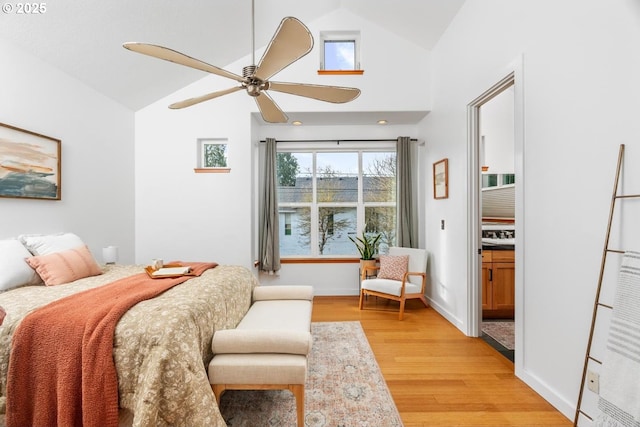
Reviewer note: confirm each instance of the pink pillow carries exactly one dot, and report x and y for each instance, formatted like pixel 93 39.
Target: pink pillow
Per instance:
pixel 66 266
pixel 393 267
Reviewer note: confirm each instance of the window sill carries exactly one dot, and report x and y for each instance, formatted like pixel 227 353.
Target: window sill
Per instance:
pixel 212 170
pixel 319 260
pixel 340 72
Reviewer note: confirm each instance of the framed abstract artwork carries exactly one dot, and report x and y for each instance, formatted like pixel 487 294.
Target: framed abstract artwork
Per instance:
pixel 29 164
pixel 441 179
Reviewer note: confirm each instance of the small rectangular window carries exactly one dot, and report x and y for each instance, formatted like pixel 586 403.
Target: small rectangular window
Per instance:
pixel 287 224
pixel 508 178
pixel 340 50
pixel 489 180
pixel 212 153
pixel 340 54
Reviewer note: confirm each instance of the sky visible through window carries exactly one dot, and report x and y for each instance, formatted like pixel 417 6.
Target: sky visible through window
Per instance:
pixel 338 162
pixel 339 55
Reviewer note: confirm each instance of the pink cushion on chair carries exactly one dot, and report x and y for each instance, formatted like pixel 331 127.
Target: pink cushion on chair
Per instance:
pixel 393 267
pixel 66 266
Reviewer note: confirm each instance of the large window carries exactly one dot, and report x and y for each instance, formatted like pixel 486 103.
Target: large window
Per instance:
pixel 326 196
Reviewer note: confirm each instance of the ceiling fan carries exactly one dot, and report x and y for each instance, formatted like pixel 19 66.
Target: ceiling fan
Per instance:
pixel 291 41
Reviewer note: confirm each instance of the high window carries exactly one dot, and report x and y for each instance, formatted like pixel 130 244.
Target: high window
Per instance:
pixel 339 50
pixel 497 179
pixel 326 196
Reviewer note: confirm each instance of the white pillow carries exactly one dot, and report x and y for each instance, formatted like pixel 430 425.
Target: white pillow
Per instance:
pixel 45 244
pixel 14 270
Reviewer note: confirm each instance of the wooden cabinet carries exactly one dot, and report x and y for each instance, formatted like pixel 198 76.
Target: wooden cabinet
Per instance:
pixel 498 284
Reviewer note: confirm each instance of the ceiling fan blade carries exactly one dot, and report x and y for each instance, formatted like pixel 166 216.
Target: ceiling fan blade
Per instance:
pixel 291 41
pixel 192 101
pixel 333 94
pixel 179 58
pixel 269 109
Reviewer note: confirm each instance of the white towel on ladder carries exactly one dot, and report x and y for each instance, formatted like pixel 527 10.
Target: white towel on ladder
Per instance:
pixel 619 401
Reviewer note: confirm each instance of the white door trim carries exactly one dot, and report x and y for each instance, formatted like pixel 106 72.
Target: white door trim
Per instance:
pixel 474 238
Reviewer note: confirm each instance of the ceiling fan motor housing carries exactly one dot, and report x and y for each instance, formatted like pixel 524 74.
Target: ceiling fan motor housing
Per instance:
pixel 253 85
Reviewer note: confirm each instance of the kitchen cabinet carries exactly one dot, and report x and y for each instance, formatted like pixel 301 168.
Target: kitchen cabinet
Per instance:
pixel 498 283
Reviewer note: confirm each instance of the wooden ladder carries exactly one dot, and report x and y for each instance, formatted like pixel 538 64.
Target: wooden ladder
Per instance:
pixel 598 305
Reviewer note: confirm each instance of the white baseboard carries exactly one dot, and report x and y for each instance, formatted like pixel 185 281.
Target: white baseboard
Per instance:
pixel 560 403
pixel 446 314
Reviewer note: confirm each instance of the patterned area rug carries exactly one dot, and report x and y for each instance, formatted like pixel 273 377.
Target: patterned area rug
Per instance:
pixel 344 387
pixel 501 331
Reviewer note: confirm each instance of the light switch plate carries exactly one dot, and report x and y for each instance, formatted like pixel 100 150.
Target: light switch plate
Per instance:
pixel 593 381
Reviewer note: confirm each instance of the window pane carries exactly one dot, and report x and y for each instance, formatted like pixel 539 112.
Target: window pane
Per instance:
pixel 489 180
pixel 287 224
pixel 293 171
pixel 340 55
pixel 379 175
pixel 381 220
pixel 295 237
pixel 337 177
pixel 508 178
pixel 334 227
pixel 215 155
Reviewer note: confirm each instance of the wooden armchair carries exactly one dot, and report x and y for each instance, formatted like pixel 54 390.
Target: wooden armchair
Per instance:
pixel 400 276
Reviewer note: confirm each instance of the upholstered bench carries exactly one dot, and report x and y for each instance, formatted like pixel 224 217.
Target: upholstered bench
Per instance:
pixel 269 347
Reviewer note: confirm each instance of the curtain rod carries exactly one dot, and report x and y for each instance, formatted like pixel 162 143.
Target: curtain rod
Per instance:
pixel 338 140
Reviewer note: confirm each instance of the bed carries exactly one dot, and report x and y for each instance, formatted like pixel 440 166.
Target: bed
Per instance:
pixel 161 346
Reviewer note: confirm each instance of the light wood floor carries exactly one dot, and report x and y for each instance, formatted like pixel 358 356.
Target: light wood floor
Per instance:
pixel 436 374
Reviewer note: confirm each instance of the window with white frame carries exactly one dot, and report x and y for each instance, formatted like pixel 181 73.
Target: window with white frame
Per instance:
pixel 497 179
pixel 212 153
pixel 326 196
pixel 340 50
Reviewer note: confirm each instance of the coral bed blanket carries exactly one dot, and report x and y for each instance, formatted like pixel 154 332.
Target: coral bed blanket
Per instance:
pixel 61 369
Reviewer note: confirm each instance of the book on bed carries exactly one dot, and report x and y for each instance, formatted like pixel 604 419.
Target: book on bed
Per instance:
pixel 172 271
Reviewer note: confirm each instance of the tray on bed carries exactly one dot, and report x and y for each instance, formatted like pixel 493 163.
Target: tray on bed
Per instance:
pixel 150 272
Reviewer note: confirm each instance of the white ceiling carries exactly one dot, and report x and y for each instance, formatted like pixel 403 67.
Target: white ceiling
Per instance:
pixel 84 37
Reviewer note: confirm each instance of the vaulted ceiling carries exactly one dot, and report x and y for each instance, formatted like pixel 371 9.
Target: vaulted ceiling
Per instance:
pixel 84 38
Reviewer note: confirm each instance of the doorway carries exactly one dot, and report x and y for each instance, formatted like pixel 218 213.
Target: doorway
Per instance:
pixel 507 298
pixel 497 221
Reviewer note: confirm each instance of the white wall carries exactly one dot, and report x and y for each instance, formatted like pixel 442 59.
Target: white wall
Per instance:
pixel 581 61
pixel 213 216
pixel 97 155
pixel 496 130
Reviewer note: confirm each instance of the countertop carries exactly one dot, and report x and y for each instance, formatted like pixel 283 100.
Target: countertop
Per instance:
pixel 505 247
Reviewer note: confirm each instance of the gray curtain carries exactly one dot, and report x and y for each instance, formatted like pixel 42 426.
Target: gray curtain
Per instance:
pixel 268 233
pixel 406 228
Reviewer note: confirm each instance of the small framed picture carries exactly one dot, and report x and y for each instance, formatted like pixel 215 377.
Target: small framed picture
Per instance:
pixel 29 164
pixel 441 179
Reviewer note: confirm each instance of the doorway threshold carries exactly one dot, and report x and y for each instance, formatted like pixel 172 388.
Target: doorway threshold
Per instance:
pixel 509 354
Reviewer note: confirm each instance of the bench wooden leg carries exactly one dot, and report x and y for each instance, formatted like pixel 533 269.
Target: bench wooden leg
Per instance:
pixel 218 389
pixel 298 393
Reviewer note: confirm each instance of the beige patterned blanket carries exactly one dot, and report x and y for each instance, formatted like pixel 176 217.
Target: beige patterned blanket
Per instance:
pixel 161 346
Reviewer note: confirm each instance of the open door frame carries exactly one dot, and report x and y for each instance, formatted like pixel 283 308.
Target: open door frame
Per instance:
pixel 474 258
